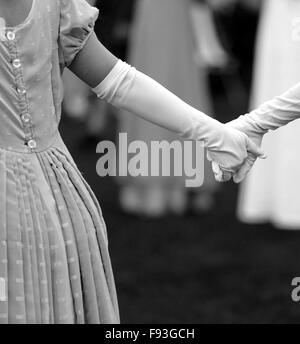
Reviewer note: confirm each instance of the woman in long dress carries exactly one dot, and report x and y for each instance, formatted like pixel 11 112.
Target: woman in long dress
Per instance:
pixel 271 192
pixel 163 46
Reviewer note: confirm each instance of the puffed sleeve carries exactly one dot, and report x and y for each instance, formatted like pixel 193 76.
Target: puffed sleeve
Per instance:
pixel 77 20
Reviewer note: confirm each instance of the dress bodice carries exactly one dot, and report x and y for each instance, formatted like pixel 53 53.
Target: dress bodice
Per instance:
pixel 32 57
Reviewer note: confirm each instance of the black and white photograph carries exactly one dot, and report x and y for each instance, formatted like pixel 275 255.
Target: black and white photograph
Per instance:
pixel 149 165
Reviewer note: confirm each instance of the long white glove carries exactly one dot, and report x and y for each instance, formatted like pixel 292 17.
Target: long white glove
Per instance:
pixel 269 116
pixel 133 91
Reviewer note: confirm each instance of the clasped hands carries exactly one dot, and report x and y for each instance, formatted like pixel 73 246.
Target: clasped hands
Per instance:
pixel 249 144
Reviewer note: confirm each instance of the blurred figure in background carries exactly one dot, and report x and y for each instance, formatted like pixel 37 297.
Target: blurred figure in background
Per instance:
pixel 163 45
pixel 271 192
pixel 236 22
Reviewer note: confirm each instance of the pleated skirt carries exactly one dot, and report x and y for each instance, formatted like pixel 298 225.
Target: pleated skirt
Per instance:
pixel 54 260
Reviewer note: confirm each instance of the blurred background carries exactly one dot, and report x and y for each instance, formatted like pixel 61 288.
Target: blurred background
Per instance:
pixel 222 253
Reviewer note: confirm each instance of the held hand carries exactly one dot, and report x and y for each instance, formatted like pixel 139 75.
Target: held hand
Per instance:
pixel 256 137
pixel 224 176
pixel 255 140
pixel 234 153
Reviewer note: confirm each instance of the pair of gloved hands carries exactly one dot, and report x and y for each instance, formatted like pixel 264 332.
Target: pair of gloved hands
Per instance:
pixel 233 148
pixel 256 136
pixel 131 90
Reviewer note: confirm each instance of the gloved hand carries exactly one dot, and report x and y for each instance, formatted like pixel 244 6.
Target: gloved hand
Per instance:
pixel 130 90
pixel 256 136
pixel 269 116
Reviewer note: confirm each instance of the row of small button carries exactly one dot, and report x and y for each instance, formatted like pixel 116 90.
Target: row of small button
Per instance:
pixel 26 117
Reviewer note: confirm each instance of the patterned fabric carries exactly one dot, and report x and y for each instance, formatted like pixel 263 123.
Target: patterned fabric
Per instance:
pixel 54 259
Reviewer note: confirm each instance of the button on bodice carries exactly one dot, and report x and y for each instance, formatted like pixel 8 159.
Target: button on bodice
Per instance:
pixel 17 63
pixel 32 144
pixel 26 118
pixel 10 35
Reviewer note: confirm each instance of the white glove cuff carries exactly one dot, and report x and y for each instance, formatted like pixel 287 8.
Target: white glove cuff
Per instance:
pixel 108 87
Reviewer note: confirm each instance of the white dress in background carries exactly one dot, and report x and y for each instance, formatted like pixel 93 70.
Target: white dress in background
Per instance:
pixel 271 193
